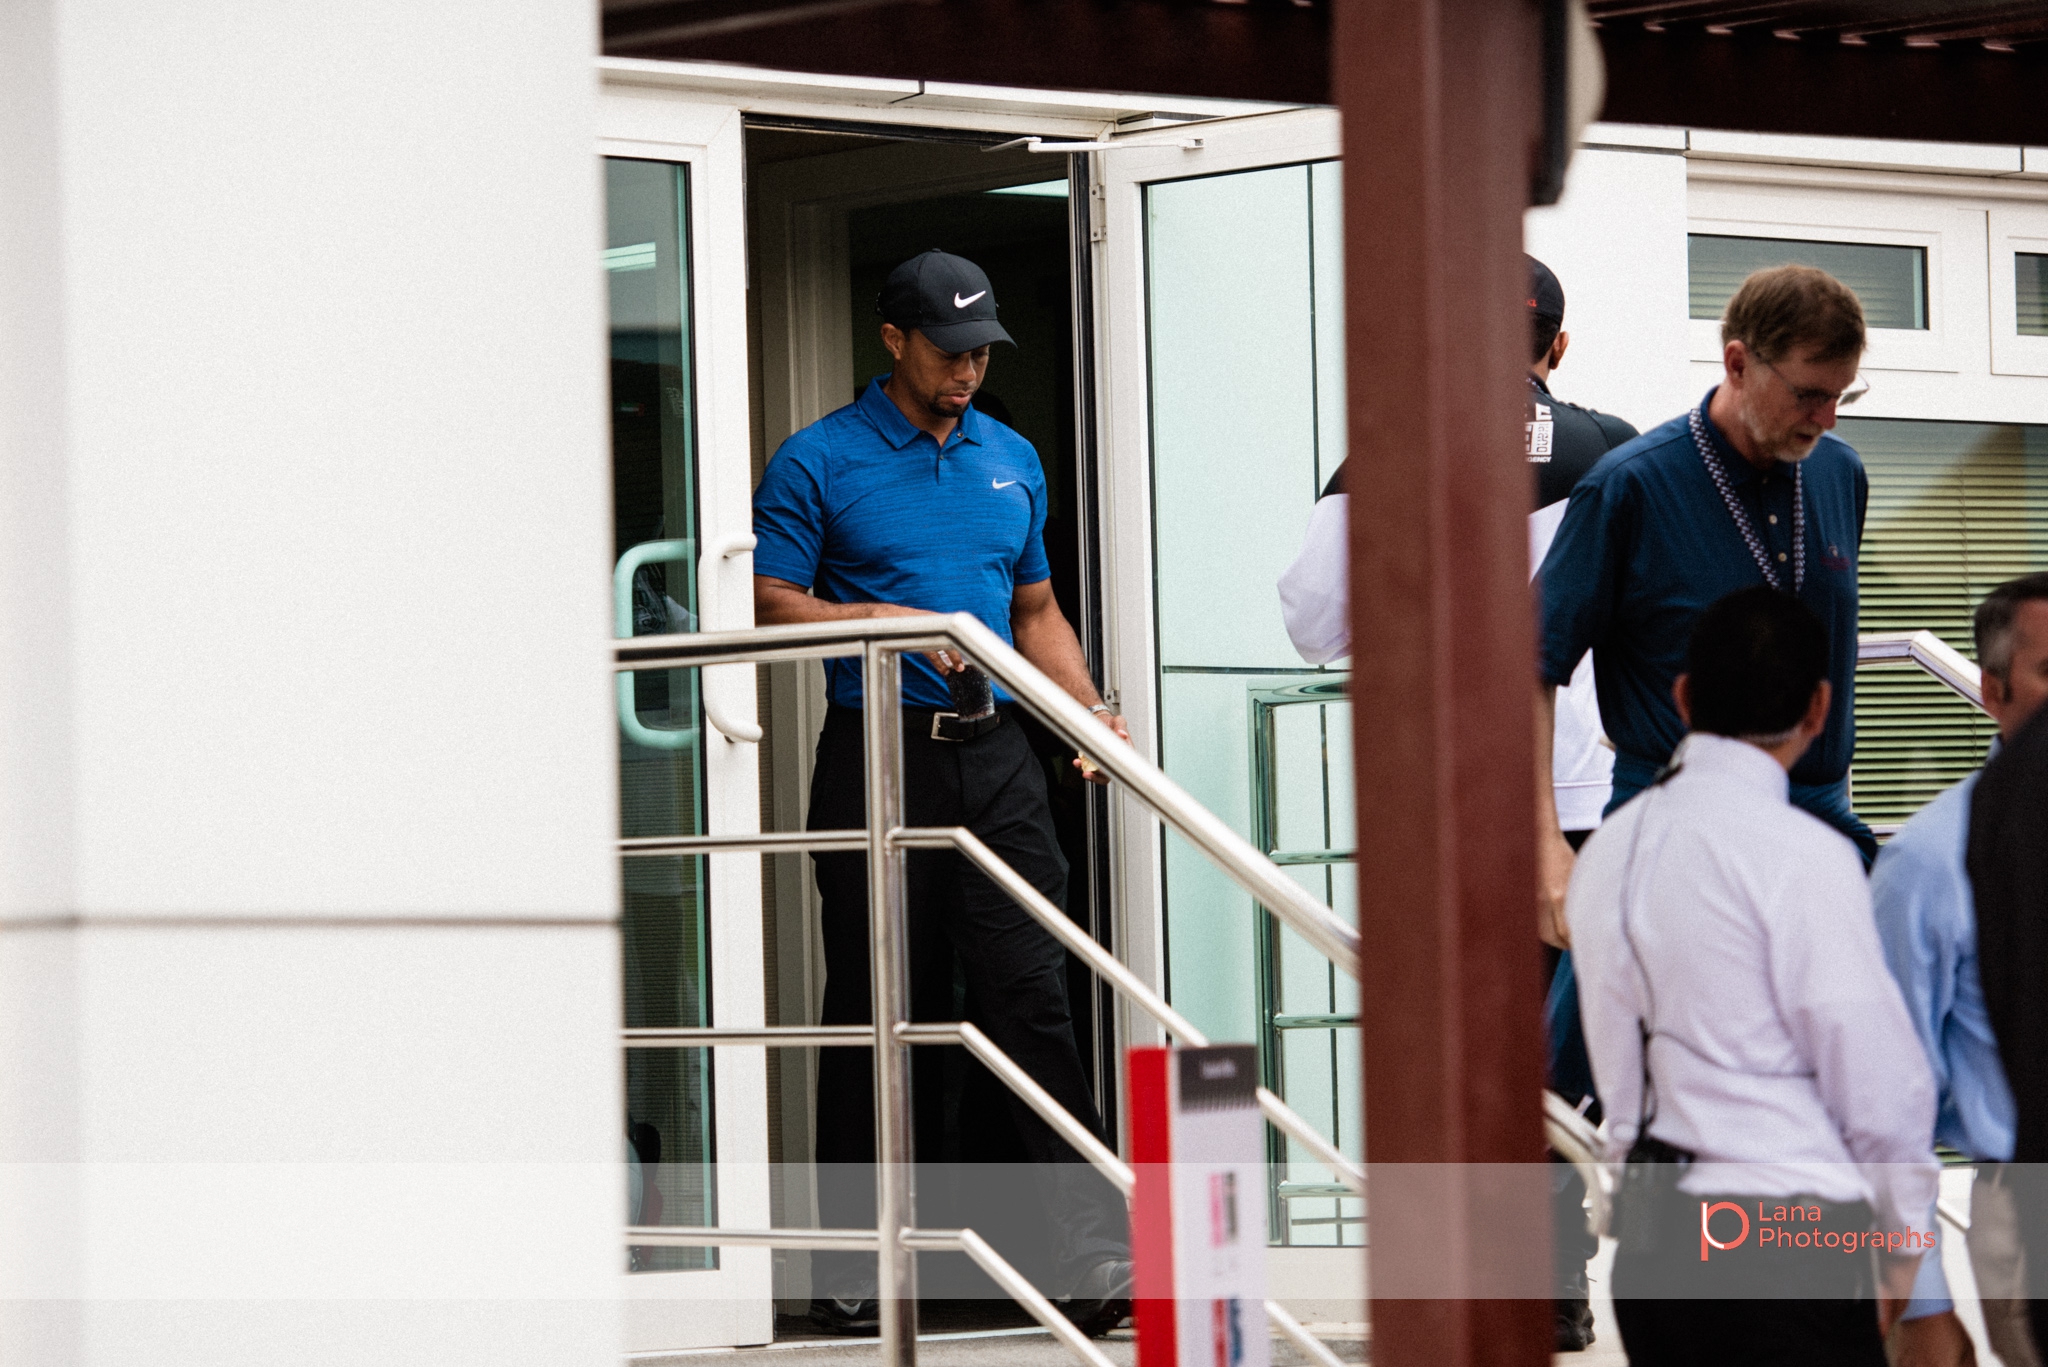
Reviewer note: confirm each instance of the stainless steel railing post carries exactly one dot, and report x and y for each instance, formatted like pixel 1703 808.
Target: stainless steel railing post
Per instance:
pixel 896 1283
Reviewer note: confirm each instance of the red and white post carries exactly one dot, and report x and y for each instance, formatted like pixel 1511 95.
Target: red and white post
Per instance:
pixel 1198 1215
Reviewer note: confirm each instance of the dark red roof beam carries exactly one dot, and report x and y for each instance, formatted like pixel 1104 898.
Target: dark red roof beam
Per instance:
pixel 1755 82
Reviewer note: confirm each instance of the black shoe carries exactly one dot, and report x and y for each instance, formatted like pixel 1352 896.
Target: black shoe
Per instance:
pixel 1573 1322
pixel 852 1316
pixel 1101 1298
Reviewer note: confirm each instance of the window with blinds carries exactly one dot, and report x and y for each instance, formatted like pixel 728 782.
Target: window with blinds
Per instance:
pixel 1891 281
pixel 2030 291
pixel 1955 509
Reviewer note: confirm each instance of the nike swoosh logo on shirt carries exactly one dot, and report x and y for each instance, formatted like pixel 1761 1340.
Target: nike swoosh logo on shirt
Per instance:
pixel 960 303
pixel 1002 483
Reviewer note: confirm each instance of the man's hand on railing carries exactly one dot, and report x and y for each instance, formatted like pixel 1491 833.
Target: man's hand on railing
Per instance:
pixel 777 602
pixel 1123 733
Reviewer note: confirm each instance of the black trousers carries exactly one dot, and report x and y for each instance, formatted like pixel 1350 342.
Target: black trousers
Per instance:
pixel 1012 970
pixel 1758 1306
pixel 1719 1333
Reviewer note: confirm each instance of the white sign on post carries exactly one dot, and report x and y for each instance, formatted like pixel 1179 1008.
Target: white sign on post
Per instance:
pixel 1198 1228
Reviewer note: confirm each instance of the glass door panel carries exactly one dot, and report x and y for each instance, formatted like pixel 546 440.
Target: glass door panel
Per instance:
pixel 694 1122
pixel 1238 421
pixel 664 929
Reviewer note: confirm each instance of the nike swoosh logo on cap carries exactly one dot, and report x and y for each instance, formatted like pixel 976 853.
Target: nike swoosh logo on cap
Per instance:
pixel 1001 483
pixel 960 303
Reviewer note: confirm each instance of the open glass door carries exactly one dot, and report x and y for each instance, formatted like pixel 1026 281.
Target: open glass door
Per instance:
pixel 695 1124
pixel 1221 305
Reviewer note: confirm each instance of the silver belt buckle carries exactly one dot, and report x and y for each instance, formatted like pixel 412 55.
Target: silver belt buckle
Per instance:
pixel 938 717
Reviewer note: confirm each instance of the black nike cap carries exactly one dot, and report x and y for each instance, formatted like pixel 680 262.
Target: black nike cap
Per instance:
pixel 946 297
pixel 1546 296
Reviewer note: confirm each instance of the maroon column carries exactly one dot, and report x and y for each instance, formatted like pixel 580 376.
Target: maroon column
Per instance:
pixel 1440 102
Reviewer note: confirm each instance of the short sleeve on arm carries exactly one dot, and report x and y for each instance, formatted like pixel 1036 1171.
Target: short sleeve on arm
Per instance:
pixel 1578 577
pixel 1032 566
pixel 1616 430
pixel 789 514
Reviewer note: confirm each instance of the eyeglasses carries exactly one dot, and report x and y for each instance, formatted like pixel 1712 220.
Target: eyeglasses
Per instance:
pixel 1819 398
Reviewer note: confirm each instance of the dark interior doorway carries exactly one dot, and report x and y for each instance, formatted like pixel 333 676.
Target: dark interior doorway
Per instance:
pixel 1021 235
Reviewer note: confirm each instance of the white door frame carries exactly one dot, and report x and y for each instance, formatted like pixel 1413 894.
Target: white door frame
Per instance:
pixel 692 113
pixel 733 1304
pixel 1123 399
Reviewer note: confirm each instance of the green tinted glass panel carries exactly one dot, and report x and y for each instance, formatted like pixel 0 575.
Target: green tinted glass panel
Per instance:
pixel 1891 281
pixel 2030 290
pixel 1955 509
pixel 664 930
pixel 1244 304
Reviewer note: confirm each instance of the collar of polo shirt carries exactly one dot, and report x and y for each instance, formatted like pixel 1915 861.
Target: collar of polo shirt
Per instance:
pixel 899 431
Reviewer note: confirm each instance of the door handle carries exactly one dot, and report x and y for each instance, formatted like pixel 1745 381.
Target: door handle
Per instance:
pixel 646 553
pixel 720 550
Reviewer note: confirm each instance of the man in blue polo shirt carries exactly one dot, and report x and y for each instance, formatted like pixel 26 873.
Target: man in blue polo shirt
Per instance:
pixel 910 501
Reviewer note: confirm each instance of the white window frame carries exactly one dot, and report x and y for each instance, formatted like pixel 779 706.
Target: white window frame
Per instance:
pixel 1956 317
pixel 2014 229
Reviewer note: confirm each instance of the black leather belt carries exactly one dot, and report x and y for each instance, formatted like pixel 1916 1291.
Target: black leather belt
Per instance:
pixel 949 726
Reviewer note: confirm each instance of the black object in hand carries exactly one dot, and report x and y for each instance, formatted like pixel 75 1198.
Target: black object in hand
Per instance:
pixel 973 699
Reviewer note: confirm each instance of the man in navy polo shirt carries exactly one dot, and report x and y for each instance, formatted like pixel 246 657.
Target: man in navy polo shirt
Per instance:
pixel 1746 489
pixel 910 501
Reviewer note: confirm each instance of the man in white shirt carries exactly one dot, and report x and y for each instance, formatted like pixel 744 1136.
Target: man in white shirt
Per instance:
pixel 1744 1028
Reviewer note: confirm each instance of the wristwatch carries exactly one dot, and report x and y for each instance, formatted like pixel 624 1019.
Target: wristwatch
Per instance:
pixel 1101 708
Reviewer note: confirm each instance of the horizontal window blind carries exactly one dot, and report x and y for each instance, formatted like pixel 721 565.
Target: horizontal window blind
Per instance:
pixel 2030 286
pixel 1891 281
pixel 1955 510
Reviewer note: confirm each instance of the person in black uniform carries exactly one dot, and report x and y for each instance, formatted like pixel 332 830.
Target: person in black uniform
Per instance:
pixel 1563 442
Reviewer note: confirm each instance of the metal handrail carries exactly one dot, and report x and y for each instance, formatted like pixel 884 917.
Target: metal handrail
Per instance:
pixel 880 643
pixel 1949 666
pixel 1572 1137
pixel 1232 854
pixel 1035 903
pixel 999 1270
pixel 1013 1282
pixel 964 1241
pixel 1026 1087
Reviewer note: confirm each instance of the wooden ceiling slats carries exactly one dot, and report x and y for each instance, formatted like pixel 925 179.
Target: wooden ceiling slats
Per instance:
pixel 1933 70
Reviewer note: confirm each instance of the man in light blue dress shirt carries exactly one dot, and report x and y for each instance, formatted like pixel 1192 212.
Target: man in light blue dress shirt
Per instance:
pixel 1926 919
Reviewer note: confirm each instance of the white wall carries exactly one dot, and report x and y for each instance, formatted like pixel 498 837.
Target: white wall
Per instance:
pixel 1617 243
pixel 308 998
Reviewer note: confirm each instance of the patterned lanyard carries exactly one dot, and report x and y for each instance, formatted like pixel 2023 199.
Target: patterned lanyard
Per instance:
pixel 1741 514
